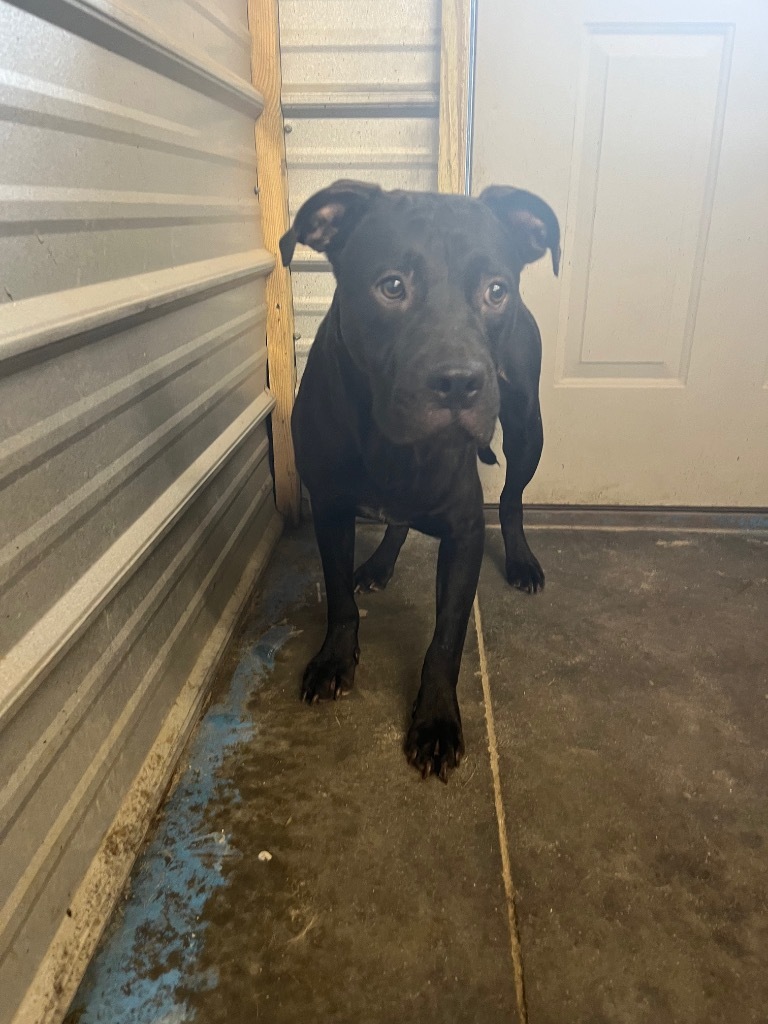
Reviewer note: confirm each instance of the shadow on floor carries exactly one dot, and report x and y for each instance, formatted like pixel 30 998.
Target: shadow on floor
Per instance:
pixel 301 871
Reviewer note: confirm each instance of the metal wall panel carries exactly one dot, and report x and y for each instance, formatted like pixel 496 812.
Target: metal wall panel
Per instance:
pixel 135 492
pixel 360 100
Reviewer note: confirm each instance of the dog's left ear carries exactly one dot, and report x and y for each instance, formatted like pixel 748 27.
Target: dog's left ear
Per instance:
pixel 326 220
pixel 531 222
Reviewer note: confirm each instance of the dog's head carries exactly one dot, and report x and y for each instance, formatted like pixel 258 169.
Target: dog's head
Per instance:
pixel 428 292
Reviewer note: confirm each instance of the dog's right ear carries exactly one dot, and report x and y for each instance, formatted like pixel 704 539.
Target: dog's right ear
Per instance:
pixel 327 218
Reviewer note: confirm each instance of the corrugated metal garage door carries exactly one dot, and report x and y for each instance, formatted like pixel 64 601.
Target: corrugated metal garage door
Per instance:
pixel 135 501
pixel 360 100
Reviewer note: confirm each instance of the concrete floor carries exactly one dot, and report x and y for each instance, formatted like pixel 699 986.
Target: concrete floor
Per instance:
pixel 600 856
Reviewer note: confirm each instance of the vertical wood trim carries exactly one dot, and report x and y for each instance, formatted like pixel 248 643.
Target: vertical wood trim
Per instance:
pixel 263 21
pixel 455 56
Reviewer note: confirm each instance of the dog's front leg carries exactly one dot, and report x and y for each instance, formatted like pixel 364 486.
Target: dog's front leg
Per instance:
pixel 332 671
pixel 435 741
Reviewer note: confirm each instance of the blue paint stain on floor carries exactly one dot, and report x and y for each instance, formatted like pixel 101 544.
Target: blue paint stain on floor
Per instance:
pixel 154 941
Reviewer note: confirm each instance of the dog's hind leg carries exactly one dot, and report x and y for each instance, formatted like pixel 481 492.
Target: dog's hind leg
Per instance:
pixel 523 441
pixel 332 671
pixel 520 418
pixel 376 572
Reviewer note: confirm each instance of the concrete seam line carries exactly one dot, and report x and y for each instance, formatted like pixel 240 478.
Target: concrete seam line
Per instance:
pixel 506 871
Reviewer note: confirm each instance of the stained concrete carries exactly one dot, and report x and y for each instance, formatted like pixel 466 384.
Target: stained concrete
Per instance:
pixel 630 702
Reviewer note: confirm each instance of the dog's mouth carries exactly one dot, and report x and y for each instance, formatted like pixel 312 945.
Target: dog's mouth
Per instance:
pixel 470 421
pixel 421 418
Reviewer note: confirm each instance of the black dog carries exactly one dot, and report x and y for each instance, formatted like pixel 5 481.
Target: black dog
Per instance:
pixel 426 342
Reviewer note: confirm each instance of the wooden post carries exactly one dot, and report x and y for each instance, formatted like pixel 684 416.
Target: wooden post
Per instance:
pixel 455 53
pixel 273 196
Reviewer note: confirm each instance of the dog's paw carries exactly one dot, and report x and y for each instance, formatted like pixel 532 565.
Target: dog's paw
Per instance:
pixel 372 575
pixel 434 745
pixel 329 675
pixel 525 574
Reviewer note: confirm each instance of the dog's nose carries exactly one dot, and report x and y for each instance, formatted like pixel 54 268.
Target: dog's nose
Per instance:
pixel 457 387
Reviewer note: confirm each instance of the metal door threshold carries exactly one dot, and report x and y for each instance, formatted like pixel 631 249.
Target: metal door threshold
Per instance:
pixel 618 517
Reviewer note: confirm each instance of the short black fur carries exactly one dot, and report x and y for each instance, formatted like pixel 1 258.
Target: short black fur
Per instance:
pixel 425 345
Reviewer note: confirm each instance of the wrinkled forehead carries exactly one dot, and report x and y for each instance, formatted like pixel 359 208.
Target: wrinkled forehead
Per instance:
pixel 435 233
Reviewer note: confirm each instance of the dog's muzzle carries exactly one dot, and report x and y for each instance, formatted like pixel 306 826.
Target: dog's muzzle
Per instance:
pixel 457 395
pixel 456 387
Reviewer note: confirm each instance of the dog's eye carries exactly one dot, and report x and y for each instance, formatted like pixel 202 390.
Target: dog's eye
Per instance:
pixel 392 287
pixel 496 294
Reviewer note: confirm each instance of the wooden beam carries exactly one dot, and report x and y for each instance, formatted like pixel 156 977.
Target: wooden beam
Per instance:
pixel 273 194
pixel 455 56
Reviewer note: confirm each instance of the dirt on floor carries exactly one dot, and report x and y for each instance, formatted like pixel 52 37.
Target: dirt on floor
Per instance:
pixel 302 871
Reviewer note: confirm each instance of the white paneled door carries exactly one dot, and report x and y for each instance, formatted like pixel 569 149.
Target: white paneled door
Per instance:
pixel 645 125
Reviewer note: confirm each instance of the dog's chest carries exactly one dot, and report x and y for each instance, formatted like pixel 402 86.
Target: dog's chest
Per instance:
pixel 378 514
pixel 393 505
pixel 398 485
